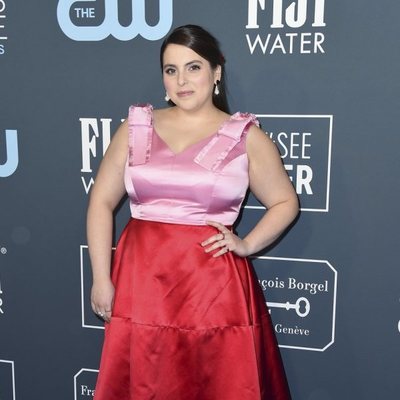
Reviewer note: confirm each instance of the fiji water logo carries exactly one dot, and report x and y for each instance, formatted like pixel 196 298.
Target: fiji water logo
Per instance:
pixel 286 26
pixel 81 27
pixel 95 139
pixel 12 159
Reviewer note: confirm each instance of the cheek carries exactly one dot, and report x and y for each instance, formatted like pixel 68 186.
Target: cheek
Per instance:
pixel 205 81
pixel 167 82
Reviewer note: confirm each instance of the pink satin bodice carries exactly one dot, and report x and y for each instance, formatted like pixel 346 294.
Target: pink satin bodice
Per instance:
pixel 206 181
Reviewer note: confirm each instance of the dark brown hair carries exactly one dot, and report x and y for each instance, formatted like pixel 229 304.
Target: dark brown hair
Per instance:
pixel 206 45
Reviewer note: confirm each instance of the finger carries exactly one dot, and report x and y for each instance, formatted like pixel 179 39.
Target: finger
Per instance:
pixel 213 239
pixel 215 223
pixel 96 307
pixel 97 310
pixel 107 316
pixel 221 227
pixel 101 310
pixel 221 252
pixel 216 245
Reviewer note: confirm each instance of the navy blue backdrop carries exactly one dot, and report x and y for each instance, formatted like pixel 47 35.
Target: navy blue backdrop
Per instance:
pixel 321 75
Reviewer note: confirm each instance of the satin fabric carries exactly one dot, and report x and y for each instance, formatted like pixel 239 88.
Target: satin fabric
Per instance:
pixel 206 181
pixel 186 325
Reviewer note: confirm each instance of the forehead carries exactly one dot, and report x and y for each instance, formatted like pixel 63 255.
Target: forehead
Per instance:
pixel 177 54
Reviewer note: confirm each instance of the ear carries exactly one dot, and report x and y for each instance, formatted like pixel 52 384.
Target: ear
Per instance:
pixel 217 73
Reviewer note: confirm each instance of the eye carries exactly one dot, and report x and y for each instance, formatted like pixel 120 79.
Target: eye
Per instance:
pixel 169 70
pixel 194 67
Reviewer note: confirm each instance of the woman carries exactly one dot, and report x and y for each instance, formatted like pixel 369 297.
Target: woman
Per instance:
pixel 185 317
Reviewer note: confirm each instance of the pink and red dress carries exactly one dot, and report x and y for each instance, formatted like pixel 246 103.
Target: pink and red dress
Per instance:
pixel 185 325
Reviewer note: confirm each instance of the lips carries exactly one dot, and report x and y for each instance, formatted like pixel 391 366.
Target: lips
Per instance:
pixel 185 93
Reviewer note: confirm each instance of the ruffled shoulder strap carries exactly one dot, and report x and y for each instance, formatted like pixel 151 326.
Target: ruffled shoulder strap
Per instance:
pixel 230 133
pixel 140 126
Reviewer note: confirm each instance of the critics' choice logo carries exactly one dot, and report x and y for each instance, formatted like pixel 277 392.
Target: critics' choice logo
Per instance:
pixel 286 26
pixel 11 158
pixel 304 142
pixel 3 35
pixel 301 297
pixel 84 383
pixel 94 20
pixel 89 318
pixel 7 380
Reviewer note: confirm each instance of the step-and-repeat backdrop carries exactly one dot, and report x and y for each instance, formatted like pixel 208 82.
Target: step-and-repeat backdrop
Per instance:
pixel 322 76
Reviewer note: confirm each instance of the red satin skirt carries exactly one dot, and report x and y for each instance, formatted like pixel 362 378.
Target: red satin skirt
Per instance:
pixel 185 325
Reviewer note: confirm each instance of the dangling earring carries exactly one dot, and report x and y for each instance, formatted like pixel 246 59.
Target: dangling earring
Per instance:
pixel 216 89
pixel 167 98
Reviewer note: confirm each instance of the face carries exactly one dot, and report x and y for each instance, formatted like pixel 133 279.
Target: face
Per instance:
pixel 188 78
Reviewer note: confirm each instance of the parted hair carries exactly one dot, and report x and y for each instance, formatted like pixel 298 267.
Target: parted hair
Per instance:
pixel 207 46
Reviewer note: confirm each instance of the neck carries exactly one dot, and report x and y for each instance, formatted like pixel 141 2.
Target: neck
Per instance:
pixel 203 113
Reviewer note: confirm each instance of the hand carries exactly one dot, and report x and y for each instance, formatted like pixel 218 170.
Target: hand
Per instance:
pixel 225 241
pixel 102 298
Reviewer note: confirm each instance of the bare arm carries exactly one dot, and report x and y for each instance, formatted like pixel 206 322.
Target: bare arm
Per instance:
pixel 271 185
pixel 106 193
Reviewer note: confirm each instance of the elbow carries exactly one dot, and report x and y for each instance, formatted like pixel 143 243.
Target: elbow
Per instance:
pixel 94 200
pixel 98 203
pixel 296 204
pixel 293 206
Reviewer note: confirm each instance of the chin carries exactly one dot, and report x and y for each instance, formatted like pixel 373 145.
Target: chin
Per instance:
pixel 190 104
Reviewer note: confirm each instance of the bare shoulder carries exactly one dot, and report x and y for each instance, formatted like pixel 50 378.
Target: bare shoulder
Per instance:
pixel 121 134
pixel 118 147
pixel 259 144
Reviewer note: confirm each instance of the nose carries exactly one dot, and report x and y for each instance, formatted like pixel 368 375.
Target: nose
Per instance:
pixel 181 78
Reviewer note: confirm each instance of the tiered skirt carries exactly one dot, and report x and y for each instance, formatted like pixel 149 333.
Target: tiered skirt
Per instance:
pixel 186 325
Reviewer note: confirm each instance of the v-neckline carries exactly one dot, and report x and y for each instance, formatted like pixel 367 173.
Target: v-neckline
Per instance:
pixel 187 148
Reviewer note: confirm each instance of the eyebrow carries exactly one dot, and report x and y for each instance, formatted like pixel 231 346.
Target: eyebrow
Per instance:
pixel 186 65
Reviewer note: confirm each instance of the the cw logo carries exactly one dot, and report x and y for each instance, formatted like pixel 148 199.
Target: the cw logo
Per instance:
pixel 11 164
pixel 111 25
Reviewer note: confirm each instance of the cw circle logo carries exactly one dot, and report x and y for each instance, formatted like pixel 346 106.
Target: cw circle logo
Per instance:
pixel 11 164
pixel 110 24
